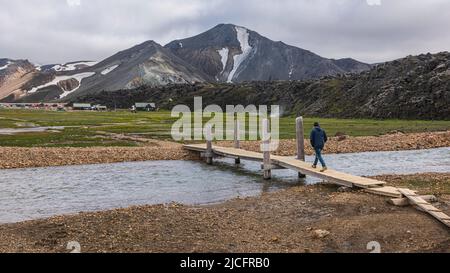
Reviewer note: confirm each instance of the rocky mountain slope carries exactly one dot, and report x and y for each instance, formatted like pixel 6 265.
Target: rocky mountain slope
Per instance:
pixel 415 87
pixel 230 53
pixel 145 64
pixel 14 74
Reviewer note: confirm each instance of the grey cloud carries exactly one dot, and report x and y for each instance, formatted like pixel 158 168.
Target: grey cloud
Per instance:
pixel 51 31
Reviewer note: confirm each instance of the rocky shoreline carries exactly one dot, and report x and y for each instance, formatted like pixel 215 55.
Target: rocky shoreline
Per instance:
pixel 316 218
pixel 15 157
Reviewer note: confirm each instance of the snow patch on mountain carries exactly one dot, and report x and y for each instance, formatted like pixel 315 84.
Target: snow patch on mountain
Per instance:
pixel 243 38
pixel 72 66
pixel 224 56
pixel 5 66
pixel 78 77
pixel 291 71
pixel 109 70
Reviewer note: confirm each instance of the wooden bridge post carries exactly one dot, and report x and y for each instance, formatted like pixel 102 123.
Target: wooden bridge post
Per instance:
pixel 267 164
pixel 209 151
pixel 237 139
pixel 300 142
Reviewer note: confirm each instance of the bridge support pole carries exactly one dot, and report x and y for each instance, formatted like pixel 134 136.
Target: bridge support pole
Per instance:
pixel 209 151
pixel 267 164
pixel 300 142
pixel 237 140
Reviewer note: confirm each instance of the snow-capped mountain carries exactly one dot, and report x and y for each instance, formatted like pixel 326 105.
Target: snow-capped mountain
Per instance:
pixel 234 54
pixel 146 64
pixel 226 53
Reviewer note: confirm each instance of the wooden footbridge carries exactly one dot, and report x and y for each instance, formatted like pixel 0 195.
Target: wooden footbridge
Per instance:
pixel 401 197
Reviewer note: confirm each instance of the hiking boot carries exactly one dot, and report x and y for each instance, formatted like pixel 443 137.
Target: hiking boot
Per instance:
pixel 314 166
pixel 323 169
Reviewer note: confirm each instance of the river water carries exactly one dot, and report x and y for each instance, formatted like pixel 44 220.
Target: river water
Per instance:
pixel 42 192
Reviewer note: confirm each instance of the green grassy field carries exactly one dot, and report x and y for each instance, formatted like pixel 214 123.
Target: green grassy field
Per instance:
pixel 82 128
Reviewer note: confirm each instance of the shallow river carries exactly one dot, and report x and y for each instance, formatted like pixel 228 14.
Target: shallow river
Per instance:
pixel 42 192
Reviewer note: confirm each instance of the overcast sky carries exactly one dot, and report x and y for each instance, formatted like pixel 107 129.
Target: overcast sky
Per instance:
pixel 57 31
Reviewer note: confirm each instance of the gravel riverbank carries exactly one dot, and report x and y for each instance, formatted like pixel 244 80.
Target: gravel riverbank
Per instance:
pixel 15 157
pixel 345 144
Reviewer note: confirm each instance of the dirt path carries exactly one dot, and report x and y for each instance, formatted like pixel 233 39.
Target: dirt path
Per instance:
pixel 15 157
pixel 302 219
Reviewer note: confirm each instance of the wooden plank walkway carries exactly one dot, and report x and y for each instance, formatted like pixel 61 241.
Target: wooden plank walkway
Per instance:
pixel 296 165
pixel 339 178
pixel 425 206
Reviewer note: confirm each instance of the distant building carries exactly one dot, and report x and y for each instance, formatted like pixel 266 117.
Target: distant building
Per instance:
pixel 99 108
pixel 145 106
pixel 82 106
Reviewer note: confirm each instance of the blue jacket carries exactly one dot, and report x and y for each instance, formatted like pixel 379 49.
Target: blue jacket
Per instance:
pixel 318 138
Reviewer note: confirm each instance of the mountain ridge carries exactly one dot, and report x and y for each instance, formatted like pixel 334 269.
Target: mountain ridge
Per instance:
pixel 225 53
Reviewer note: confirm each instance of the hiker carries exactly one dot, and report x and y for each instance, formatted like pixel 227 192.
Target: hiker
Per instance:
pixel 318 140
